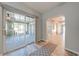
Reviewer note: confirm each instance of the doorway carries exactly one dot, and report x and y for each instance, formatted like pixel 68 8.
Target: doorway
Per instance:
pixel 56 33
pixel 19 31
pixel 56 25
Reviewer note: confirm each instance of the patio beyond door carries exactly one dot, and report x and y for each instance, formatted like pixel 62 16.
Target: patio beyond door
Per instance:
pixel 20 31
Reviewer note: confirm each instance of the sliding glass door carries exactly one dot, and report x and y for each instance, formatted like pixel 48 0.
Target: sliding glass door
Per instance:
pixel 20 31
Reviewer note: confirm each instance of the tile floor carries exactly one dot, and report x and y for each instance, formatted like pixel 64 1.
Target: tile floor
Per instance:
pixel 34 50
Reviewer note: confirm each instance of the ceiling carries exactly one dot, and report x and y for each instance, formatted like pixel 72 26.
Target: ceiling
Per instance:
pixel 42 7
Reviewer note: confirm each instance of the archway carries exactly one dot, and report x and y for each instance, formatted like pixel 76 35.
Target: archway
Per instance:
pixel 56 33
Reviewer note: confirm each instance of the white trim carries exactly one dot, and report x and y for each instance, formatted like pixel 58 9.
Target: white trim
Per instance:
pixel 72 51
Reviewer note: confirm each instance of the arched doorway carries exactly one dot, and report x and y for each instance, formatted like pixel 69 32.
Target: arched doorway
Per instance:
pixel 56 33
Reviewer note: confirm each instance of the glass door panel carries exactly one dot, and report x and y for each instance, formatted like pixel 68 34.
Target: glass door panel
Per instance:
pixel 20 30
pixel 30 32
pixel 9 35
pixel 19 33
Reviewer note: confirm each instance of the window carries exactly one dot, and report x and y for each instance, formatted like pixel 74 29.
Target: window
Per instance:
pixel 20 30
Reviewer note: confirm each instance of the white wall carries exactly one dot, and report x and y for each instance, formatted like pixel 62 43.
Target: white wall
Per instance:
pixel 71 13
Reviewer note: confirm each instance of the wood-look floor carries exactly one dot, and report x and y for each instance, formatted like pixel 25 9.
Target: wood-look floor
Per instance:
pixel 57 39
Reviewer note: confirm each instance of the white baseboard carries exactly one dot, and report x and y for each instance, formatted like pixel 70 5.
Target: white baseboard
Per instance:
pixel 72 51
